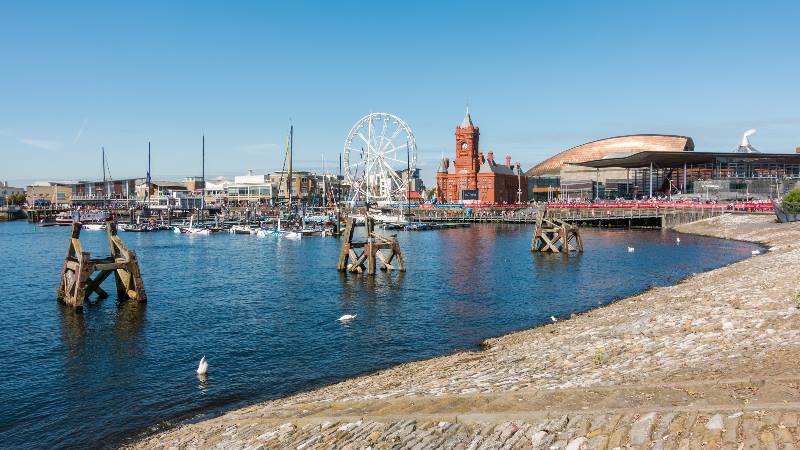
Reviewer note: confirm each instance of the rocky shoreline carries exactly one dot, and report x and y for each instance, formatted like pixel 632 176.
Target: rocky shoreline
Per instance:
pixel 709 363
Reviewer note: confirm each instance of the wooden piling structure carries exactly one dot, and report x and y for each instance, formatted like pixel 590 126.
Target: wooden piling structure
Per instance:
pixel 77 284
pixel 355 254
pixel 554 235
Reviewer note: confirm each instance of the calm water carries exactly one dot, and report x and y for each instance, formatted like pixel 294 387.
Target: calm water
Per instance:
pixel 264 312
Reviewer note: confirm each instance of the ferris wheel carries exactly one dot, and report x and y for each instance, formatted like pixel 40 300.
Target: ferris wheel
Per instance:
pixel 378 149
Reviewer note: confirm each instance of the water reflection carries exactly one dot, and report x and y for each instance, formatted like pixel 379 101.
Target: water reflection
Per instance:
pixel 73 329
pixel 202 384
pixel 264 311
pixel 357 287
pixel 129 320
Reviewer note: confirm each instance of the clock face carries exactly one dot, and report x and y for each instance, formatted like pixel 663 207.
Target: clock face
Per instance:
pixel 464 146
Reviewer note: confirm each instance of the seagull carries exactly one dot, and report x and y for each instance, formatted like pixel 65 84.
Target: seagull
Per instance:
pixel 202 368
pixel 347 317
pixel 755 252
pixel 631 249
pixel 553 318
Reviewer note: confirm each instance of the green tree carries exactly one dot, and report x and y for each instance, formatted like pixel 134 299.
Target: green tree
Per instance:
pixel 791 202
pixel 17 198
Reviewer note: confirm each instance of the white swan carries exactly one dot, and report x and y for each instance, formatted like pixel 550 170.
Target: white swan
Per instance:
pixel 202 368
pixel 631 249
pixel 347 317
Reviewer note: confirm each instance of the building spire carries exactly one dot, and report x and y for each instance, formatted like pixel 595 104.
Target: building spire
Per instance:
pixel 467 122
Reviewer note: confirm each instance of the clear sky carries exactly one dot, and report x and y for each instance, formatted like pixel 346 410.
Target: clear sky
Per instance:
pixel 539 77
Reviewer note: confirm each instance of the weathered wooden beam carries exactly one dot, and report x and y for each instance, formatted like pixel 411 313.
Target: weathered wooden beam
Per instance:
pixel 94 284
pixel 346 245
pixel 370 250
pixel 133 268
pixel 110 265
pixel 401 265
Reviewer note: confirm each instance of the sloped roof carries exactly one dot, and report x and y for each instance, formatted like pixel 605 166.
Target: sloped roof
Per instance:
pixel 467 122
pixel 679 158
pixel 614 145
pixel 489 167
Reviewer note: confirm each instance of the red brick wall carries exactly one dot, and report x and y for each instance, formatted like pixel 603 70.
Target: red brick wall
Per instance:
pixel 492 187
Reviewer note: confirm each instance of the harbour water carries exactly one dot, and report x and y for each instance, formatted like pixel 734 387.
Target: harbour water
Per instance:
pixel 263 312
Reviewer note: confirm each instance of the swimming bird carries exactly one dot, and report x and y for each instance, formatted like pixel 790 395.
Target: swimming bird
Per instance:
pixel 347 317
pixel 755 252
pixel 202 368
pixel 631 249
pixel 553 318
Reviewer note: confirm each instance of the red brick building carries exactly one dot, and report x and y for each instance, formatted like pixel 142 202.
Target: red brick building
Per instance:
pixel 473 178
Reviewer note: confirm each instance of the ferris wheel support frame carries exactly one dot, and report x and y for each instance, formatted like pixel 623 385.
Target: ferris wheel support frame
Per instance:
pixel 379 178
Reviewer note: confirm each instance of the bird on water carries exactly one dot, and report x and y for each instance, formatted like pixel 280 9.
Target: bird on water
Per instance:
pixel 202 368
pixel 553 318
pixel 677 240
pixel 347 317
pixel 631 249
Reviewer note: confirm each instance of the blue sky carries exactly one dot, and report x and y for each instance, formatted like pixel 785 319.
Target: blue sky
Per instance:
pixel 539 78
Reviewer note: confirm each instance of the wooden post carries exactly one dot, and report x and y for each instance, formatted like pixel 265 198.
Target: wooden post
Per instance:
pixel 370 250
pixel 76 283
pixel 354 255
pixel 344 252
pixel 554 235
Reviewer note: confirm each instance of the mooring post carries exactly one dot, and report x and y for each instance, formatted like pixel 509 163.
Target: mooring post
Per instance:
pixel 370 250
pixel 344 252
pixel 553 235
pixel 76 282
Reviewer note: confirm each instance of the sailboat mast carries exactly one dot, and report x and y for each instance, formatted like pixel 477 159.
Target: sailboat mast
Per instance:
pixel 104 164
pixel 147 193
pixel 203 176
pixel 289 180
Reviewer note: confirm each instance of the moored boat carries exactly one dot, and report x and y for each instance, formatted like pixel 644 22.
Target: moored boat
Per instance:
pixel 242 229
pixel 84 217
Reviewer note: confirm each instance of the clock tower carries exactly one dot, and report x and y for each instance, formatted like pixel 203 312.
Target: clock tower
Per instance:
pixel 467 136
pixel 473 179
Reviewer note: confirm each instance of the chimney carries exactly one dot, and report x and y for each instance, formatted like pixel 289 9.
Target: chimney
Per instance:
pixel 491 157
pixel 508 161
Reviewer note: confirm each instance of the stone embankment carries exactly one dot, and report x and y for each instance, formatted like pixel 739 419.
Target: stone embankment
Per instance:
pixel 713 362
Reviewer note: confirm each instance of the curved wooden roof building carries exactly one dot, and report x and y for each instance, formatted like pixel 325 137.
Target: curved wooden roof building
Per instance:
pixel 618 146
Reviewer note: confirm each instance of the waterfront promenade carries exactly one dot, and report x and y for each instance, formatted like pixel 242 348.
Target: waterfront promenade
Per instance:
pixel 709 363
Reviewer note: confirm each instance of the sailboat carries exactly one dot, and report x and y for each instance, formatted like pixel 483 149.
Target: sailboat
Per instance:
pixel 191 229
pixel 278 231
